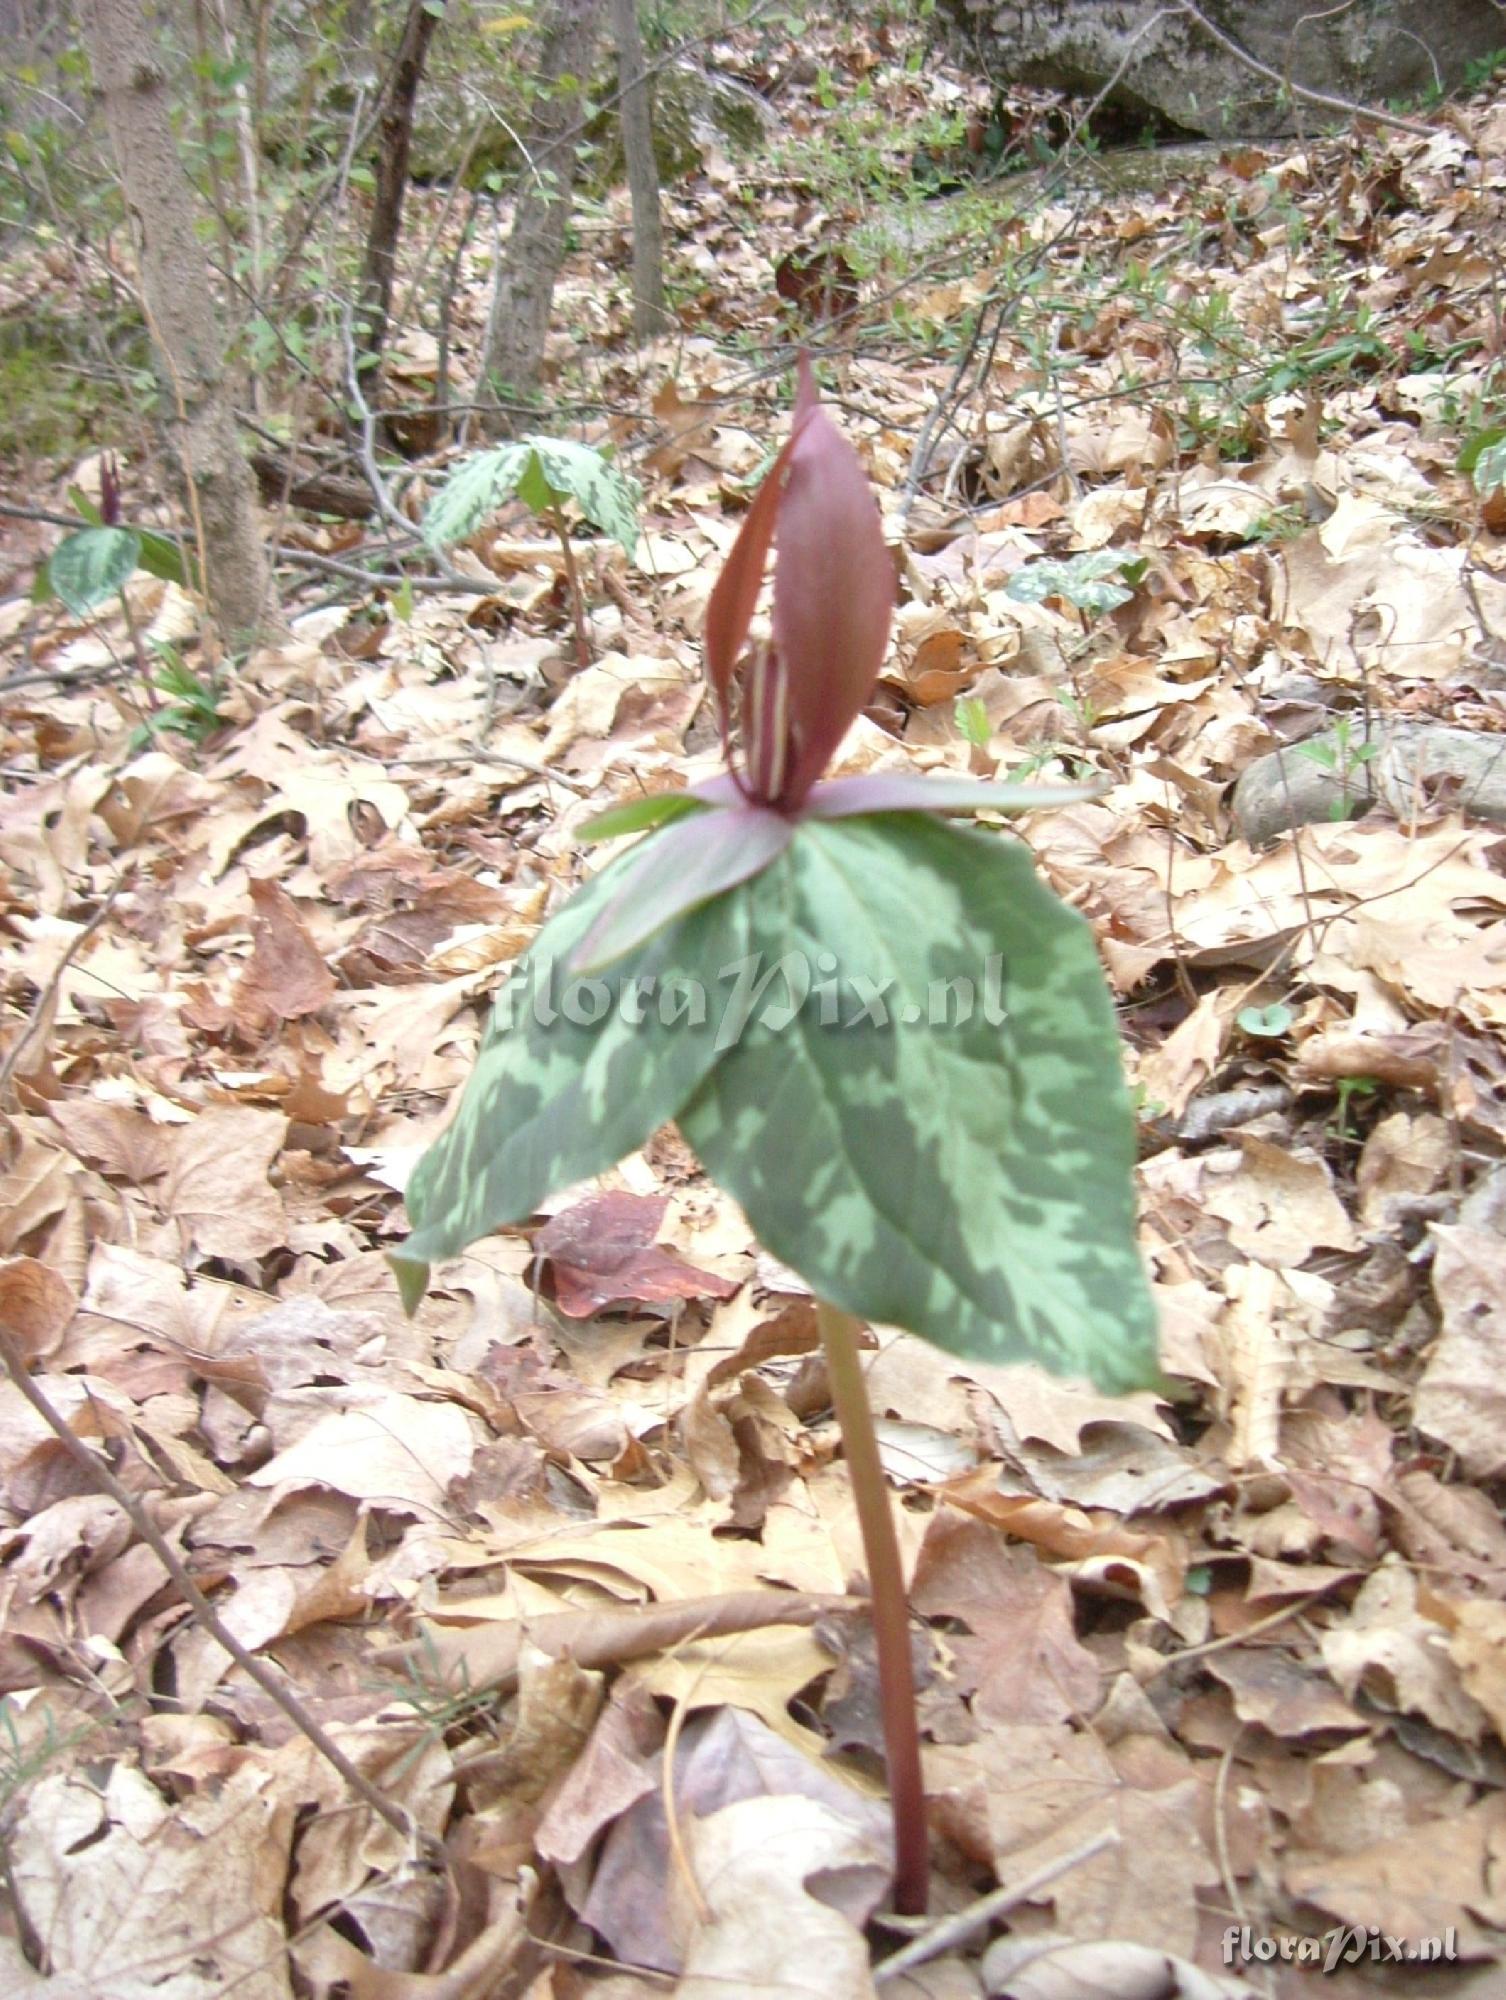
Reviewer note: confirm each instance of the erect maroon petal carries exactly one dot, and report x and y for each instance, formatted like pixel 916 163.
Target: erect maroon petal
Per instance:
pixel 766 721
pixel 833 589
pixel 730 608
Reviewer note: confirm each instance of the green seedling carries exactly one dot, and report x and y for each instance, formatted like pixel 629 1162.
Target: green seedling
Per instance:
pixel 1341 1125
pixel 1343 753
pixel 544 473
pixel 879 1030
pixel 1266 1023
pixel 972 721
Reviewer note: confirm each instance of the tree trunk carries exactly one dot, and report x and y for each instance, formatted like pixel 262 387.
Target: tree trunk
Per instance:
pixel 184 325
pixel 636 111
pixel 395 141
pixel 519 318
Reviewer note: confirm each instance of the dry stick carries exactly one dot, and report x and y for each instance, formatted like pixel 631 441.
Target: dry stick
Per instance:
pixel 45 998
pixel 1320 97
pixel 887 1605
pixel 957 1929
pixel 101 1476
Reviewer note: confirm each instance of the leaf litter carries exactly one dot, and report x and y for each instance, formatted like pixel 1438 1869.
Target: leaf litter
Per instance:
pixel 1233 1659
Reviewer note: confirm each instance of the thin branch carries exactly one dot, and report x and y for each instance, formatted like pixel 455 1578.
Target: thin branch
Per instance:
pixel 963 1924
pixel 204 1612
pixel 1320 97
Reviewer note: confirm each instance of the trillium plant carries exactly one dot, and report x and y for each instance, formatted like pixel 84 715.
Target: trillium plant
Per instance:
pixel 877 1027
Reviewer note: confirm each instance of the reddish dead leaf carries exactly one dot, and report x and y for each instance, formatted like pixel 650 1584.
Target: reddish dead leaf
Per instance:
pixel 286 975
pixel 820 284
pixel 602 1253
pixel 36 1306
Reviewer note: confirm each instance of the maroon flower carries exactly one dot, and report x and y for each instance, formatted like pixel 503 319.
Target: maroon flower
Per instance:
pixel 833 599
pixel 795 696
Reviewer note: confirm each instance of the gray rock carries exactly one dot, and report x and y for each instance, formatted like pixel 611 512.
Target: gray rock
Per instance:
pixel 1415 766
pixel 1371 52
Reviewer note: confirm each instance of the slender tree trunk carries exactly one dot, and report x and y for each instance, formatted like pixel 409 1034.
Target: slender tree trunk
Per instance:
pixel 394 144
pixel 636 109
pixel 184 324
pixel 519 320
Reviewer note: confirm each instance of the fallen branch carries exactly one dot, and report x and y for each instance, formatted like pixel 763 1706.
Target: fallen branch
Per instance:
pixel 957 1929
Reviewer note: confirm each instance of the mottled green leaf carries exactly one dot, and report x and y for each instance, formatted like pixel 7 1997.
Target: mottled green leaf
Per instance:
pixel 1084 580
pixel 560 469
pixel 474 490
pixel 543 472
pixel 573 1073
pixel 88 568
pixel 966 1178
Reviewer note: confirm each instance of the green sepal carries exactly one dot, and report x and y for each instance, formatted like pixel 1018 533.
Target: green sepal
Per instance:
pixel 638 815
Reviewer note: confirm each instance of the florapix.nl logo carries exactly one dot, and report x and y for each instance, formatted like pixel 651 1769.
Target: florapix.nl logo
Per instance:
pixel 814 989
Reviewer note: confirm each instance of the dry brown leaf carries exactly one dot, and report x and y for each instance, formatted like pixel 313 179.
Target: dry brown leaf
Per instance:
pixel 37 1306
pixel 760 1856
pixel 1461 1399
pixel 149 1899
pixel 1280 1206
pixel 1023 1661
pixel 286 975
pixel 1024 1795
pixel 1392 1650
pixel 387 1450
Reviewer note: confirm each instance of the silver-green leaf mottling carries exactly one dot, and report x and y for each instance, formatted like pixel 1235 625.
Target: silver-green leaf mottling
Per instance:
pixel 554 1099
pixel 906 1069
pixel 970 1182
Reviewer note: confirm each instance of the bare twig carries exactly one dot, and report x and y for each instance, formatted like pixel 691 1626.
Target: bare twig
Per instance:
pixel 41 1013
pixel 204 1612
pixel 963 1924
pixel 1320 97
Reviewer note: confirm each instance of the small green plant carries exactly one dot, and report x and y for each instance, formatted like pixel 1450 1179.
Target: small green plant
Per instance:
pixel 972 721
pixel 911 1078
pixel 1093 581
pixel 1281 524
pixel 1483 458
pixel 544 473
pixel 192 705
pixel 1341 1125
pixel 97 561
pixel 1342 753
pixel 1266 1024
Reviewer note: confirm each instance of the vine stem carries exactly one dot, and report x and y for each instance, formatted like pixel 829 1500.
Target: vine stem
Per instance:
pixel 889 1608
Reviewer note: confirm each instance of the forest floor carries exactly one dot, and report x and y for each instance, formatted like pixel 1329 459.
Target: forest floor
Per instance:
pixel 1237 1660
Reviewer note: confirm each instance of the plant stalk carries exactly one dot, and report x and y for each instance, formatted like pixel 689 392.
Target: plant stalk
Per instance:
pixel 577 595
pixel 889 1608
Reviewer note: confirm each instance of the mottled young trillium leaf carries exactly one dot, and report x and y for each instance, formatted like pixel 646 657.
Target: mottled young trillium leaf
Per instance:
pixel 881 1032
